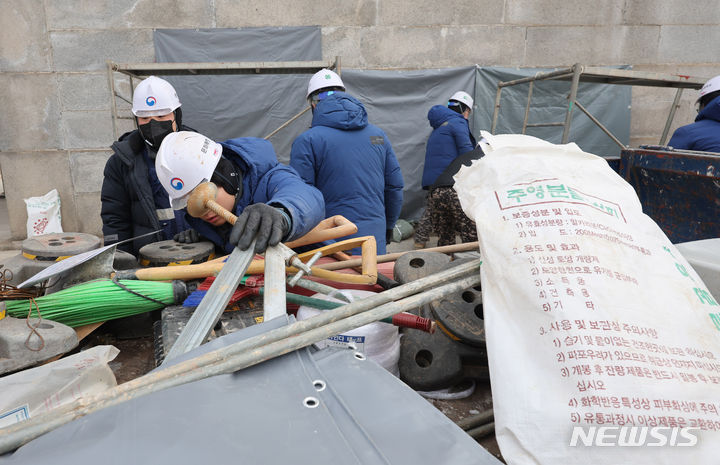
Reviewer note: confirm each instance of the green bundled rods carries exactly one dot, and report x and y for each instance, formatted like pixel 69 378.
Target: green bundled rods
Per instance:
pixel 96 301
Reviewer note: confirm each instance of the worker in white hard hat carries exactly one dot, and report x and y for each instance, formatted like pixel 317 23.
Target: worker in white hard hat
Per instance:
pixel 704 134
pixel 349 160
pixel 133 201
pixel 450 139
pixel 270 200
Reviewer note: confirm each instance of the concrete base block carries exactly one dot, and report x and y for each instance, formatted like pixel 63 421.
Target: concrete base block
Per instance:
pixel 14 353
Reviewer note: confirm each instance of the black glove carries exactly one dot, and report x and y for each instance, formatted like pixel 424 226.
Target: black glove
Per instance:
pixel 269 223
pixel 187 237
pixel 388 236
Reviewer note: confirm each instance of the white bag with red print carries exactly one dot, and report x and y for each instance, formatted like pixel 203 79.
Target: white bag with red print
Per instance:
pixel 44 214
pixel 603 342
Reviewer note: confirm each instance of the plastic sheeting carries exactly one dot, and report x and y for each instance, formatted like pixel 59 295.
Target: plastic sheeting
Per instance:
pixel 223 107
pixel 363 415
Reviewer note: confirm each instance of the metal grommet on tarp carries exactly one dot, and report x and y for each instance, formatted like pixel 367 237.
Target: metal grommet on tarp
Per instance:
pixel 58 246
pixel 169 253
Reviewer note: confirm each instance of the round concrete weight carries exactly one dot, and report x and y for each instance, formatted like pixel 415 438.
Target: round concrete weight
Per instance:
pixel 418 264
pixel 50 247
pixel 166 253
pixel 460 316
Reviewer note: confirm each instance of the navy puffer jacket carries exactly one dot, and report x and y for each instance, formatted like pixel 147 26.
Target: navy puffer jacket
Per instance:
pixel 704 134
pixel 450 137
pixel 353 164
pixel 265 180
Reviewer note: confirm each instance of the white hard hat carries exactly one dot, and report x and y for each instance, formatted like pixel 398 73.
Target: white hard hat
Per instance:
pixel 184 160
pixel 322 79
pixel 463 97
pixel 711 86
pixel 154 97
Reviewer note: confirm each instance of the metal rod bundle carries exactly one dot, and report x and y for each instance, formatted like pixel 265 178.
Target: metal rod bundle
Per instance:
pixel 254 350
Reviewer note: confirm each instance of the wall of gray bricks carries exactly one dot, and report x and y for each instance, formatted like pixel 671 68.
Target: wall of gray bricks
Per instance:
pixel 56 126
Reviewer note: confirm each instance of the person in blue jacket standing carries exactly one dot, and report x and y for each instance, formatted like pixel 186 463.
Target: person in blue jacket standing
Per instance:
pixel 349 160
pixel 704 134
pixel 450 138
pixel 270 199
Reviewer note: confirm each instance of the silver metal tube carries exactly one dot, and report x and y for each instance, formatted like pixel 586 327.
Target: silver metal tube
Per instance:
pixel 671 116
pixel 565 72
pixel 577 71
pixel 600 125
pixel 320 288
pixel 287 123
pixel 527 106
pixel 496 113
pixel 274 304
pixel 254 349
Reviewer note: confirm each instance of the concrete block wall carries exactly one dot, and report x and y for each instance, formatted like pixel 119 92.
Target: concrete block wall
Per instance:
pixel 56 127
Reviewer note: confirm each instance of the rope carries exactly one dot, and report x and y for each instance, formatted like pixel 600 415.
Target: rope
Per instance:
pixel 124 287
pixel 10 292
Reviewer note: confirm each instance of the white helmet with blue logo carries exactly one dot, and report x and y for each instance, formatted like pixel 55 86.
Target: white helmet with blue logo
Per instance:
pixel 154 97
pixel 185 159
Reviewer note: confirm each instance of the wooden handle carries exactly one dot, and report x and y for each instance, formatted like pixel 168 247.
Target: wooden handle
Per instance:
pixel 330 228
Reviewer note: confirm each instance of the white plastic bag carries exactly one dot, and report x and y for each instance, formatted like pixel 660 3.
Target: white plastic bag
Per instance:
pixel 379 341
pixel 44 214
pixel 603 342
pixel 39 390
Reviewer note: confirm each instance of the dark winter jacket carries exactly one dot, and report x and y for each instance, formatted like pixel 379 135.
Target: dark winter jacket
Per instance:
pixel 129 205
pixel 266 181
pixel 446 177
pixel 704 134
pixel 353 165
pixel 450 137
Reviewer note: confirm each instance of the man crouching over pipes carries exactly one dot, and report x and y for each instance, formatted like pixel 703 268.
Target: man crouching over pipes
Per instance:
pixel 269 198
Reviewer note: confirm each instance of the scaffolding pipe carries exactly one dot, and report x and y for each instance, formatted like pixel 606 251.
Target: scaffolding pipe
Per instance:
pixel 527 106
pixel 671 116
pixel 254 350
pixel 577 70
pixel 600 125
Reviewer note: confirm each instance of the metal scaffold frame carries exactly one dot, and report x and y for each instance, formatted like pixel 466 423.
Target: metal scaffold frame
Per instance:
pixel 143 70
pixel 579 73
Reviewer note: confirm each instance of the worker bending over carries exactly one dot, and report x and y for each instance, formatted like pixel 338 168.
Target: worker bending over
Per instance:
pixel 704 134
pixel 349 160
pixel 270 199
pixel 132 200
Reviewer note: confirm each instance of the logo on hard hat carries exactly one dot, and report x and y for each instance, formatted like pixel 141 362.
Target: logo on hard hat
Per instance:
pixel 150 101
pixel 177 183
pixel 327 76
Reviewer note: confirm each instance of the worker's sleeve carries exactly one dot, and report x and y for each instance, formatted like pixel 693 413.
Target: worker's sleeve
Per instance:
pixel 303 202
pixel 393 187
pixel 681 139
pixel 302 159
pixel 115 205
pixel 461 136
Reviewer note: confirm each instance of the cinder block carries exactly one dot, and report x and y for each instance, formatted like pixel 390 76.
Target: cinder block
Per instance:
pixel 83 91
pixel 30 112
pixel 86 169
pixel 24 44
pixel 89 51
pixel 422 47
pixel 87 129
pixel 689 44
pixel 31 174
pixel 651 107
pixel 562 12
pixel 563 46
pixel 665 12
pixel 126 14
pixel 431 12
pixel 88 213
pixel 232 13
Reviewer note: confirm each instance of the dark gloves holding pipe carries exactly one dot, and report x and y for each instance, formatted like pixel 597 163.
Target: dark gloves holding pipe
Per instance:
pixel 187 237
pixel 270 224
